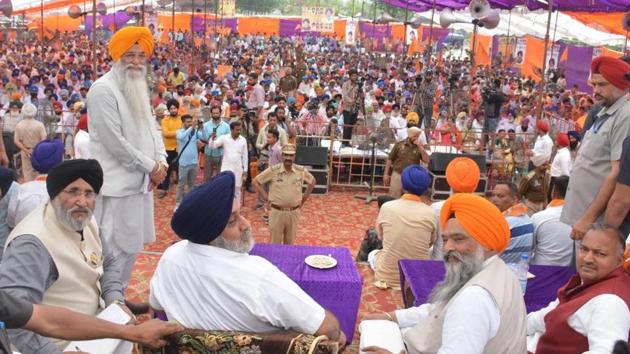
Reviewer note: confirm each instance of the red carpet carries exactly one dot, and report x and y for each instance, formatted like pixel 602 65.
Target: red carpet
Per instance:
pixel 336 219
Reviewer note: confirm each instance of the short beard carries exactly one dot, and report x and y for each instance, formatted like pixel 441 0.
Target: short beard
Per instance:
pixel 243 245
pixel 457 274
pixel 135 89
pixel 65 216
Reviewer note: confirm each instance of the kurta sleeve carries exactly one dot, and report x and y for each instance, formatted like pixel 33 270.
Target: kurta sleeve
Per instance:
pixel 111 285
pixel 104 119
pixel 26 271
pixel 244 157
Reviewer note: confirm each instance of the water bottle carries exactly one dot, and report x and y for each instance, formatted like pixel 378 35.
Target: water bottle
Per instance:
pixel 521 271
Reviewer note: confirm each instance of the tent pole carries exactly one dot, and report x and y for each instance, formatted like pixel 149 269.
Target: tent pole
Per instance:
pixel 173 26
pixel 373 27
pixel 429 47
pixel 543 80
pixel 192 38
pixel 625 44
pixel 114 7
pixel 41 22
pixel 404 49
pixel 555 28
pixel 508 38
pixel 474 46
pixel 94 38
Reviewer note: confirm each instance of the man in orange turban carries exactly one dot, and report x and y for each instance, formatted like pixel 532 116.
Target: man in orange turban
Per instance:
pixel 124 139
pixel 462 175
pixel 596 166
pixel 126 38
pixel 479 306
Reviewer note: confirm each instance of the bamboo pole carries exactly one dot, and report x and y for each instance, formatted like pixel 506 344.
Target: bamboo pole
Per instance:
pixel 431 35
pixel 543 80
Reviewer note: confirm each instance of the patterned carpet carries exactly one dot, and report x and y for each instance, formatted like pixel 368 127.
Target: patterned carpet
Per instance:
pixel 336 219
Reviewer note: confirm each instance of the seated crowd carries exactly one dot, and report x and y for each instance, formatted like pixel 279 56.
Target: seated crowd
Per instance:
pixel 72 230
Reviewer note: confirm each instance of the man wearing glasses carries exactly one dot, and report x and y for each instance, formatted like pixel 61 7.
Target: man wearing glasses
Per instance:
pixel 55 255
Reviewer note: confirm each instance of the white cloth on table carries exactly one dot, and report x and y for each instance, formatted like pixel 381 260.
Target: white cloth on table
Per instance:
pixel 234 155
pixel 207 287
pixel 604 319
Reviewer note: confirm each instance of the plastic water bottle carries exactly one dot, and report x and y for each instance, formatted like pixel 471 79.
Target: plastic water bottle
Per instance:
pixel 521 271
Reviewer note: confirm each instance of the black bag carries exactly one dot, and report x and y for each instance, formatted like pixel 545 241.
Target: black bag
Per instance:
pixel 370 242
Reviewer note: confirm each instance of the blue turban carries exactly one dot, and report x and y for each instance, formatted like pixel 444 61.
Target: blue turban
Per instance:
pixel 46 155
pixel 575 135
pixel 415 179
pixel 204 213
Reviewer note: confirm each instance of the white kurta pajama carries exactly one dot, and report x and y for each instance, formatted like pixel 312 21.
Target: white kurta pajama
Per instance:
pixel 127 147
pixel 234 157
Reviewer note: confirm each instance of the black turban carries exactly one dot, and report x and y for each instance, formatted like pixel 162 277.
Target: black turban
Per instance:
pixel 172 102
pixel 69 171
pixel 204 213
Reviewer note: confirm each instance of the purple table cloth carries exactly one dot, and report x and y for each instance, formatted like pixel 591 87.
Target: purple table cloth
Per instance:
pixel 337 289
pixel 422 275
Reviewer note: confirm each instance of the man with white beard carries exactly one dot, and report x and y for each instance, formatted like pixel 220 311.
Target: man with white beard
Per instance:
pixel 124 139
pixel 478 307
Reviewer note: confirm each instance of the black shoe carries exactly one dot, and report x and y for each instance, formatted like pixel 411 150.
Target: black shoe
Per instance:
pixel 137 308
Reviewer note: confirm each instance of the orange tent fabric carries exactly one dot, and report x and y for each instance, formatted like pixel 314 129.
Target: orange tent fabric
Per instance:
pixel 532 65
pixel 256 25
pixel 182 21
pixel 398 32
pixel 339 27
pixel 482 50
pixel 603 21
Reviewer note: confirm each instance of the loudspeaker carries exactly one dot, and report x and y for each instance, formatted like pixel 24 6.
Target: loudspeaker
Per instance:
pixel 315 156
pixel 439 160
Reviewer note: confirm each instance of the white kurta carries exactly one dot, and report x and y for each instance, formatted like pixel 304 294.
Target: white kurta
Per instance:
pixel 543 146
pixel 562 163
pixel 207 287
pixel 234 155
pixel 82 145
pixel 26 198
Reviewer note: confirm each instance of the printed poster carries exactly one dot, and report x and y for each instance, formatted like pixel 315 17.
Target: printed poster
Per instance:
pixel 227 8
pixel 552 57
pixel 412 35
pixel 318 19
pixel 519 52
pixel 351 32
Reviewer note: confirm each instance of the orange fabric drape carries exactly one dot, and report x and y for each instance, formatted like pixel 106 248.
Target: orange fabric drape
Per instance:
pixel 339 30
pixel 482 51
pixel 602 21
pixel 256 25
pixel 532 65
pixel 182 21
pixel 611 53
pixel 398 32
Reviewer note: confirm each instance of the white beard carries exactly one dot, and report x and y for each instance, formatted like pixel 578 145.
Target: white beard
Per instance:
pixel 457 275
pixel 134 87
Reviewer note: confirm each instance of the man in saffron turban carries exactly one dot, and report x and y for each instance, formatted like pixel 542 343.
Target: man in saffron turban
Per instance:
pixel 125 141
pixel 478 307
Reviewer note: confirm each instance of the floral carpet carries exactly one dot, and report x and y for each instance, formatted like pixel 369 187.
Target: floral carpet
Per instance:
pixel 336 219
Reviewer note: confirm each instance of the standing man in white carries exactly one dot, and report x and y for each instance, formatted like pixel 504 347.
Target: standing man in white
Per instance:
pixel 234 154
pixel 125 141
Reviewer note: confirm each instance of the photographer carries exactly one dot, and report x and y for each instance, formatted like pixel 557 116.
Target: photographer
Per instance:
pixel 493 99
pixel 423 99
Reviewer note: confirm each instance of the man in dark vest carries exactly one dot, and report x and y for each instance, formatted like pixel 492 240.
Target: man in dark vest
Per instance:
pixel 591 311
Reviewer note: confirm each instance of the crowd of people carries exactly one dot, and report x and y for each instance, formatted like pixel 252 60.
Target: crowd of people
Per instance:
pixel 153 115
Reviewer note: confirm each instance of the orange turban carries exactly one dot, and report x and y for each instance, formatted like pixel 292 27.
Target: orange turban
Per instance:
pixel 126 38
pixel 614 70
pixel 463 174
pixel 16 96
pixel 481 219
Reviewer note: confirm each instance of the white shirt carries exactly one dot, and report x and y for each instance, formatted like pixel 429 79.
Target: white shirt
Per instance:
pixel 471 320
pixel 552 238
pixel 234 155
pixel 27 197
pixel 400 124
pixel 543 146
pixel 562 163
pixel 82 145
pixel 210 288
pixel 604 320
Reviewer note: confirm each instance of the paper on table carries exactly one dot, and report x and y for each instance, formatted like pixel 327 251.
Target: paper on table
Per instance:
pixel 113 313
pixel 381 333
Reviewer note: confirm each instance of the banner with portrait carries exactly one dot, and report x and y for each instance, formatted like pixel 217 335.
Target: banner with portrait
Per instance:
pixel 318 19
pixel 505 48
pixel 518 57
pixel 552 57
pixel 412 35
pixel 227 8
pixel 351 32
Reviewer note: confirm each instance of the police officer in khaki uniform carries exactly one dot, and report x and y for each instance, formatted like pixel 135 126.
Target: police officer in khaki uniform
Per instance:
pixel 285 197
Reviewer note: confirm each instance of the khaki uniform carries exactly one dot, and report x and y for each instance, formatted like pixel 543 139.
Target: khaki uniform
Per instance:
pixel 403 154
pixel 285 197
pixel 534 189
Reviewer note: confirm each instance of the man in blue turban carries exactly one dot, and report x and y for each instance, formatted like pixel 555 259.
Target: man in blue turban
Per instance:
pixel 241 292
pixel 406 226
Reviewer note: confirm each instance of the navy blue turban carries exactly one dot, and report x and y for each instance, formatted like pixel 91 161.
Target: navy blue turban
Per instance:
pixel 204 213
pixel 415 179
pixel 46 155
pixel 60 176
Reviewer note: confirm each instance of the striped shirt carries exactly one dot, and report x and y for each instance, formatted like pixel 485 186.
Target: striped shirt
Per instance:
pixel 521 238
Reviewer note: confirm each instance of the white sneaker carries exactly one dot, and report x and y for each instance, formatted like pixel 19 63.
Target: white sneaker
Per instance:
pixel 176 206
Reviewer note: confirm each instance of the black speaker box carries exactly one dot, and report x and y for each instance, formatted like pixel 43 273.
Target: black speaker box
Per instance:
pixel 439 160
pixel 315 156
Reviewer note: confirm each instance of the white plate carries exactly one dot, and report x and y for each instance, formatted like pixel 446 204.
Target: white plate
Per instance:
pixel 320 261
pixel 530 275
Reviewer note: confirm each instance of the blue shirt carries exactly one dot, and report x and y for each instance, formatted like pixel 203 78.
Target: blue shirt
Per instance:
pixel 521 238
pixel 221 129
pixel 189 156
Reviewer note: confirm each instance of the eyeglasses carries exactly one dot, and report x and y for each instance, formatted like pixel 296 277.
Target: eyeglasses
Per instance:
pixel 76 193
